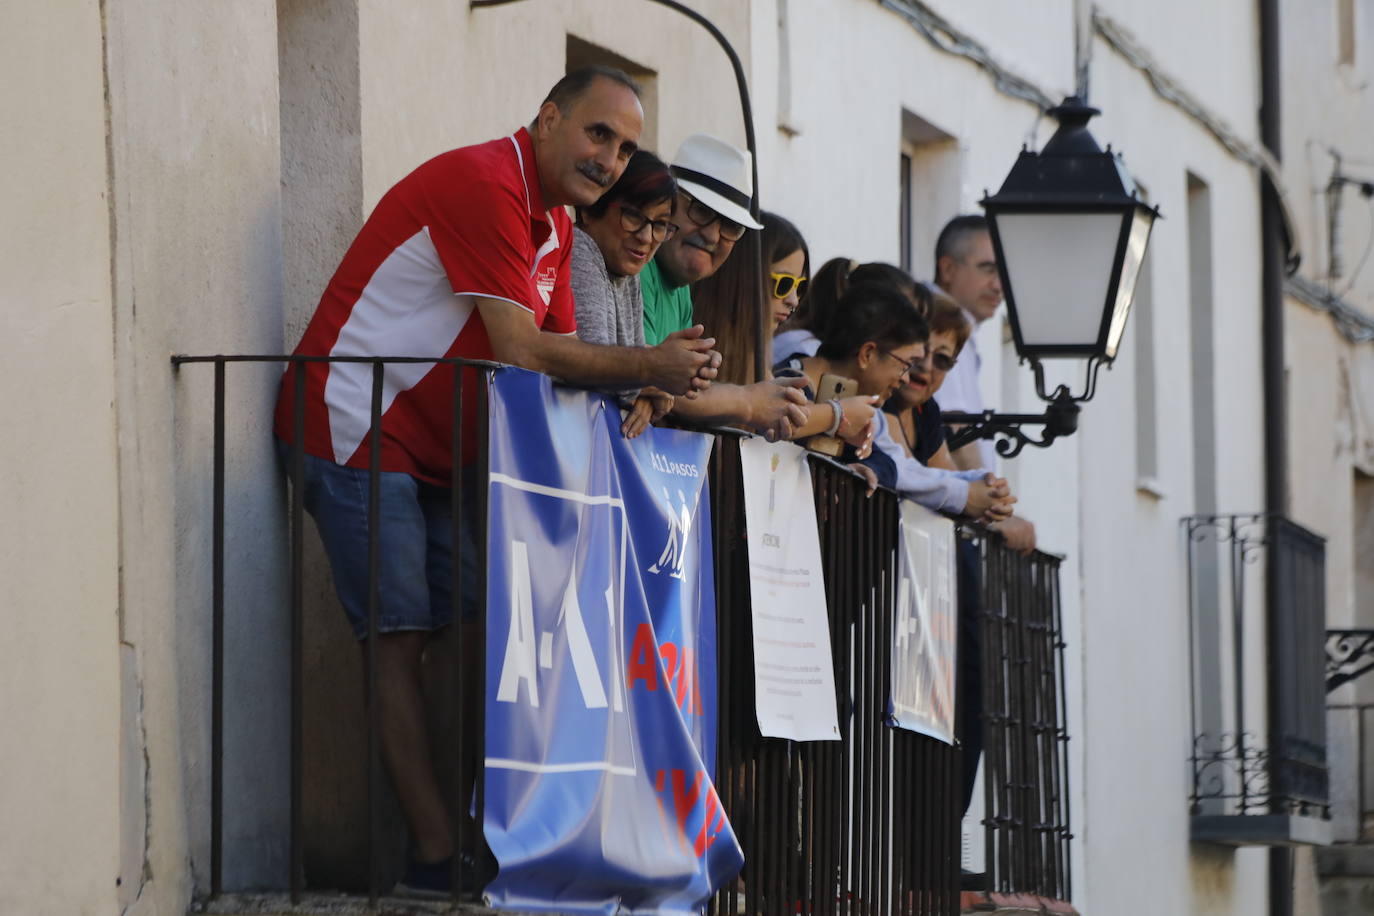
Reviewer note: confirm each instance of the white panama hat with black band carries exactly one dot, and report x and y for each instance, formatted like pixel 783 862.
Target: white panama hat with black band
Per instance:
pixel 717 174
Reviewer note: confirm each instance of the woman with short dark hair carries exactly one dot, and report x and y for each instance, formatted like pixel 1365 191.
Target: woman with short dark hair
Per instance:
pixel 613 239
pixel 803 331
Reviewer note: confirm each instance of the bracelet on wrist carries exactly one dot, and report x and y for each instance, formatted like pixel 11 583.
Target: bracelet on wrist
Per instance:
pixel 839 417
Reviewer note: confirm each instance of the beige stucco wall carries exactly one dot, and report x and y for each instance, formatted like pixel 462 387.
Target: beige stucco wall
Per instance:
pixel 59 549
pixel 196 179
pixel 242 154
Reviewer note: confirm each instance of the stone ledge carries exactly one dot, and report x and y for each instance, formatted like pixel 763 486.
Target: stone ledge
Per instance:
pixel 1010 904
pixel 321 904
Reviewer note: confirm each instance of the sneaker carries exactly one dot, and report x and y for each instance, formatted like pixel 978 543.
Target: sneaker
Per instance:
pixel 434 880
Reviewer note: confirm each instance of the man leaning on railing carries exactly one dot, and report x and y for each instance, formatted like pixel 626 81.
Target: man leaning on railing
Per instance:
pixel 466 257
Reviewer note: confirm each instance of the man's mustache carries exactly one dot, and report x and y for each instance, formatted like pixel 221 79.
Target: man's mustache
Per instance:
pixel 696 241
pixel 595 173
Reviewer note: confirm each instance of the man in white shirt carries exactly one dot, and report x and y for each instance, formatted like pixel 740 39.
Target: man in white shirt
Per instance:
pixel 966 270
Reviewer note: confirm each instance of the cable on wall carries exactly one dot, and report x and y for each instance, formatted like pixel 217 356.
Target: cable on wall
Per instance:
pixel 946 37
pixel 1354 325
pixel 951 40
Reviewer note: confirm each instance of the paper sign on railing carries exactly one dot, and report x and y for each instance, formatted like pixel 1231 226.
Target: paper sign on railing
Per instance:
pixel 925 626
pixel 794 673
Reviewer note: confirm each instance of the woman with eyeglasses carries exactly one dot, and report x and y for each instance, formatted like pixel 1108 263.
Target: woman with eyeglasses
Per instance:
pixel 913 414
pixel 912 441
pixel 726 303
pixel 612 241
pixel 913 418
pixel 819 301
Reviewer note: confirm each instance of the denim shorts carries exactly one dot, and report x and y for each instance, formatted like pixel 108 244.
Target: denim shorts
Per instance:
pixel 415 544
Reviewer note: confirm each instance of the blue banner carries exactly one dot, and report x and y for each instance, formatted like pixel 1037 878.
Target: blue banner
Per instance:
pixel 601 682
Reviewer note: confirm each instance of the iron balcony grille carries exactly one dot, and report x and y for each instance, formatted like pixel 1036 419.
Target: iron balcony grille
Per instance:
pixel 1025 757
pixel 1259 734
pixel 870 821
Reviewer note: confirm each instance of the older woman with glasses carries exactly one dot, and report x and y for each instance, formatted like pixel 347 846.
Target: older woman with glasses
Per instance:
pixel 913 415
pixel 613 239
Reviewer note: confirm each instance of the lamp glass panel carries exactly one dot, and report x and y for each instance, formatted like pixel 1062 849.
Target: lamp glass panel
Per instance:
pixel 1059 265
pixel 1141 221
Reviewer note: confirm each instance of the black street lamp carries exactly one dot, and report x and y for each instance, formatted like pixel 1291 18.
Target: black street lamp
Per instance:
pixel 1069 233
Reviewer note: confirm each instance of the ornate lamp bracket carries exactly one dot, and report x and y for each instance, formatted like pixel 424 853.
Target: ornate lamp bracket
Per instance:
pixel 1059 419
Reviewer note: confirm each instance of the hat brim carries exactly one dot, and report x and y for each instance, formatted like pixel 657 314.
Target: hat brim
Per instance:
pixel 726 208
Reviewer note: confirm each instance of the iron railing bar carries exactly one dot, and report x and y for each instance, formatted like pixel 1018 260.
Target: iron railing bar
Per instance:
pixel 217 644
pixel 374 506
pixel 297 472
pixel 485 379
pixel 456 583
pixel 181 360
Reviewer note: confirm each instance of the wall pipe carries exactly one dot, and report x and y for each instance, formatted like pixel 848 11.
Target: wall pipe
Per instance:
pixel 1275 403
pixel 762 349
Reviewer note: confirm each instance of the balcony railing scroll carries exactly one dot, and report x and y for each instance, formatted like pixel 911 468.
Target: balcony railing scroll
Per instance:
pixel 1350 724
pixel 867 823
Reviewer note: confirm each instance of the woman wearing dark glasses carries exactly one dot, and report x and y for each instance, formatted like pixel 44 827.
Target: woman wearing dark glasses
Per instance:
pixel 726 302
pixel 613 239
pixel 819 302
pixel 913 414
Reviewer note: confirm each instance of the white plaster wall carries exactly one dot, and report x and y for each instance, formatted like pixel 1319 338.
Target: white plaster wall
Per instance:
pixel 59 551
pixel 1135 644
pixel 1124 606
pixel 1328 107
pixel 197 225
pixel 1211 49
pixel 436 75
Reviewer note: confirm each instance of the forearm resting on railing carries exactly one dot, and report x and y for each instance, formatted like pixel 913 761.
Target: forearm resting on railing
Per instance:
pixel 774 406
pixel 682 364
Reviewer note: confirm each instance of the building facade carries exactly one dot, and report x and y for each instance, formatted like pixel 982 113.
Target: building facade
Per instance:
pixel 183 178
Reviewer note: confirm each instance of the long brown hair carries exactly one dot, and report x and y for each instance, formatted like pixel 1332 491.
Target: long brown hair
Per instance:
pixel 728 303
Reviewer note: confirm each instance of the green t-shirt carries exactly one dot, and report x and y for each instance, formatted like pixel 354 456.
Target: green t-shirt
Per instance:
pixel 666 308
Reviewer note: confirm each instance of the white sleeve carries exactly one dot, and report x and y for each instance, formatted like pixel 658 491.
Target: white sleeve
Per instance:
pixel 935 488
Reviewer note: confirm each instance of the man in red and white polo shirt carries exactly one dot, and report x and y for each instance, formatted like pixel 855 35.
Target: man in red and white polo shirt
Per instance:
pixel 467 256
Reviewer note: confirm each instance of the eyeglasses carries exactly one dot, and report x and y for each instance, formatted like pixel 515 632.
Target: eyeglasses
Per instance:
pixel 783 284
pixel 704 216
pixel 942 361
pixel 908 365
pixel 632 221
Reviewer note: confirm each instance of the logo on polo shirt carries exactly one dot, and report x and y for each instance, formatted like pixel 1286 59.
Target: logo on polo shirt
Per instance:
pixel 545 281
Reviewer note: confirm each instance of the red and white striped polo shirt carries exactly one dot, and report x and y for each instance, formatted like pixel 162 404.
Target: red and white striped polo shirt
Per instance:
pixel 470 222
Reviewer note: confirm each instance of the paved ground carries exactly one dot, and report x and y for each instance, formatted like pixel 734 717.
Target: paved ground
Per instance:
pixel 329 905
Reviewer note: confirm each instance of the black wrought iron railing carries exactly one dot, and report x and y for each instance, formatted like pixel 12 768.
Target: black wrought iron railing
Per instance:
pixel 1350 725
pixel 1025 715
pixel 870 822
pixel 1256 594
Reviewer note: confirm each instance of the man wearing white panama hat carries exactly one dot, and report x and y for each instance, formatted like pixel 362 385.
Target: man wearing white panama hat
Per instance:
pixel 715 185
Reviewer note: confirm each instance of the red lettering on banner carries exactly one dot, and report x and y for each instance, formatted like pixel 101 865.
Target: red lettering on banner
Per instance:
pixel 643 666
pixel 685 801
pixel 715 817
pixel 668 651
pixel 679 669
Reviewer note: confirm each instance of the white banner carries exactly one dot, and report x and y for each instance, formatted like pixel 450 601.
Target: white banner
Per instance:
pixel 794 675
pixel 925 626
